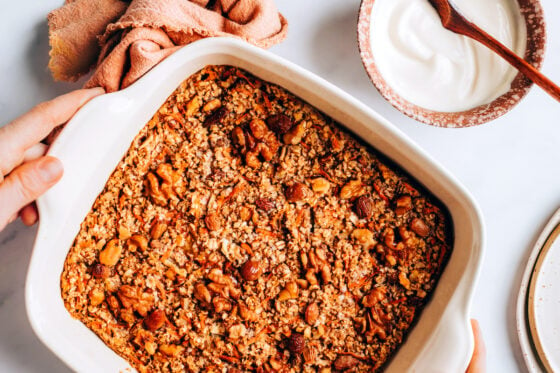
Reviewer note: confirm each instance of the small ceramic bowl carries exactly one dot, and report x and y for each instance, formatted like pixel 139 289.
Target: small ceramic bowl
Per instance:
pixel 531 11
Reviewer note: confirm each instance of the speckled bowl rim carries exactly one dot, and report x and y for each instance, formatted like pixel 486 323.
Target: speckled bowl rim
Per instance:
pixel 533 14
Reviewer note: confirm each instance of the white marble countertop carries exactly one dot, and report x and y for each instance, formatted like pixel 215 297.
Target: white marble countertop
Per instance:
pixel 510 165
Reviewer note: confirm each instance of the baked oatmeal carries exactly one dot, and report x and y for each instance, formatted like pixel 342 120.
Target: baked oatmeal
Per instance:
pixel 246 231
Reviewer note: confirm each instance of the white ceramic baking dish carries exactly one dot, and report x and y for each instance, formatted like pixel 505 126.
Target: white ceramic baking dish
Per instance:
pixel 98 136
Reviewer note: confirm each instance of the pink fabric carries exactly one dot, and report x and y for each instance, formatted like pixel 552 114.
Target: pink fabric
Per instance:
pixel 127 40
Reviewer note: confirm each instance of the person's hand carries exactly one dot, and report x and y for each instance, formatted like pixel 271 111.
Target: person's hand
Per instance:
pixel 478 360
pixel 25 173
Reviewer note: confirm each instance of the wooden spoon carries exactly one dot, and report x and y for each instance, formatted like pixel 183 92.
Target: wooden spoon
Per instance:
pixel 452 20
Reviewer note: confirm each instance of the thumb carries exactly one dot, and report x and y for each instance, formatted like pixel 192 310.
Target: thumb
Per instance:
pixel 25 184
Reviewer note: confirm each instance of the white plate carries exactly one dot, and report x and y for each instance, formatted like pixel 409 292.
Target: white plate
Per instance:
pixel 537 306
pixel 544 303
pixel 99 135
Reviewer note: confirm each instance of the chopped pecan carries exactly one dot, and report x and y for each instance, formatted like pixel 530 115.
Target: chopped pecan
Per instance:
pixel 403 205
pixel 216 117
pixel 345 362
pixel 352 189
pixel 111 254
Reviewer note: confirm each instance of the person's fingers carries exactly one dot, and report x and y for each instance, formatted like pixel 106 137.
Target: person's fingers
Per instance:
pixel 25 184
pixel 36 151
pixel 29 214
pixel 18 136
pixel 478 360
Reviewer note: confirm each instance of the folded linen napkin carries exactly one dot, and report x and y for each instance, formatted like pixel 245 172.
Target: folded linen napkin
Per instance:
pixel 126 39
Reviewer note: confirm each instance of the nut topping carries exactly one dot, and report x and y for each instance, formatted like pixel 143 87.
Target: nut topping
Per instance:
pixel 352 189
pixel 404 204
pixel 345 362
pixel 312 313
pixel 111 254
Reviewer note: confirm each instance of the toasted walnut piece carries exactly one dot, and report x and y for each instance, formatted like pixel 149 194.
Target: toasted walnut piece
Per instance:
pixel 127 315
pixel 192 106
pixel 124 233
pixel 320 185
pixel 111 254
pixel 292 288
pixel 245 213
pixel 238 138
pixel 279 123
pixel 296 343
pixel 212 221
pixel 298 192
pixel 158 229
pixel 216 117
pixel 276 364
pixel 325 370
pixel 202 293
pixel 237 331
pixel 309 355
pixel 216 275
pixel 311 278
pixel 312 313
pixel 258 128
pixel 284 295
pixel 344 362
pixel 403 205
pixel 326 274
pixel 419 227
pixel 100 271
pixel 389 238
pixel 113 303
pixel 375 296
pixel 171 349
pixel 137 241
pixel 364 207
pixel 266 204
pixel 96 297
pixel 212 105
pixel 155 320
pixel 296 134
pixel 365 237
pixel 302 284
pixel 246 313
pixel 128 295
pixel 221 304
pixel 153 189
pixel 404 281
pixel 251 270
pixel 150 347
pixel 391 260
pixel 352 189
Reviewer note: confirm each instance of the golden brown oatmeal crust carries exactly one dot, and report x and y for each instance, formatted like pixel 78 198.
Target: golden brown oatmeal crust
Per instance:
pixel 246 231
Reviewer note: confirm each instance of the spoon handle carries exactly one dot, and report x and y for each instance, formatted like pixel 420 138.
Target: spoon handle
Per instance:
pixel 476 33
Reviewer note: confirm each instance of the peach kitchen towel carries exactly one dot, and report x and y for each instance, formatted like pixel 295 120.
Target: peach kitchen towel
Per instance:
pixel 126 39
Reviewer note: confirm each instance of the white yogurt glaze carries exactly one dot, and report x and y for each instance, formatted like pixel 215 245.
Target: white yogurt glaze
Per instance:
pixel 437 69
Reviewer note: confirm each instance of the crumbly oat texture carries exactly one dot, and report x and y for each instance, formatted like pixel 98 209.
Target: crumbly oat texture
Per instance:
pixel 246 231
